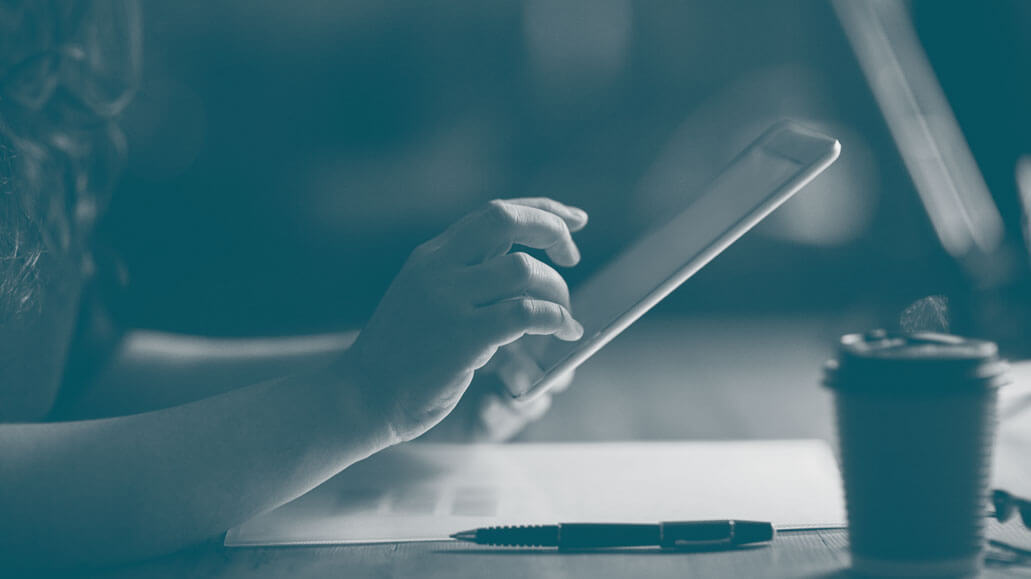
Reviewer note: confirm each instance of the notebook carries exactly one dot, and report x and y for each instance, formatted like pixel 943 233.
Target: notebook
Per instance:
pixel 421 492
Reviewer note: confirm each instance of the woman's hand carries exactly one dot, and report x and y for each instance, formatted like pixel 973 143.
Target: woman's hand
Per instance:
pixel 487 412
pixel 458 298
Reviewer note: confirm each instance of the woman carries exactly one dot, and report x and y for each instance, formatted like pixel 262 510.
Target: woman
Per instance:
pixel 187 437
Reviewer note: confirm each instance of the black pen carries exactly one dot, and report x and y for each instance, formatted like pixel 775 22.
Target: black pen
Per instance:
pixel 669 535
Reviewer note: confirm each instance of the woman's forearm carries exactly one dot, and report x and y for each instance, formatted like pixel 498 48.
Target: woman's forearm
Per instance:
pixel 130 487
pixel 153 370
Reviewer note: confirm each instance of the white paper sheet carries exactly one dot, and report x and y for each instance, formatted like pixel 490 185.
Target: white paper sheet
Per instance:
pixel 1012 460
pixel 428 491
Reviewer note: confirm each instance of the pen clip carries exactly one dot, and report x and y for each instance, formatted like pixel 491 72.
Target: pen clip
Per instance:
pixel 713 534
pixel 684 544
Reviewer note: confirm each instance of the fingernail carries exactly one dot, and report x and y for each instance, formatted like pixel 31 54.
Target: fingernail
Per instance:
pixel 578 330
pixel 580 214
pixel 574 255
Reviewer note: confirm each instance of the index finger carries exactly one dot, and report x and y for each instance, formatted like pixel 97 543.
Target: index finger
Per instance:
pixel 574 217
pixel 493 231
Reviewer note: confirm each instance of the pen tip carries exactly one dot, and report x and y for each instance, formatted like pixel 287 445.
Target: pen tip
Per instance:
pixel 465 536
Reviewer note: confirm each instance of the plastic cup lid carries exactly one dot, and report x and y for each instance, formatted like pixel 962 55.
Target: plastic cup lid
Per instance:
pixel 924 361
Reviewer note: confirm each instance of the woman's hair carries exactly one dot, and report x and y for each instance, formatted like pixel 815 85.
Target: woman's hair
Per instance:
pixel 66 70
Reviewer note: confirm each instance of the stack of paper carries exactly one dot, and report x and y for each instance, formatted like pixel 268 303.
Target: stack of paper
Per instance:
pixel 426 492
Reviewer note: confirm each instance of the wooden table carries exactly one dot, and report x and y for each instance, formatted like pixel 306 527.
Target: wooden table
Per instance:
pixel 664 379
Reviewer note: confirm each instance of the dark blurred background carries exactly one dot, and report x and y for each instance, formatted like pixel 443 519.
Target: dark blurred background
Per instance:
pixel 285 157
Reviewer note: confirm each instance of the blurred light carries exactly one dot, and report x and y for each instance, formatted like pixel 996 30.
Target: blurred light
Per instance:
pixel 1024 180
pixel 1024 189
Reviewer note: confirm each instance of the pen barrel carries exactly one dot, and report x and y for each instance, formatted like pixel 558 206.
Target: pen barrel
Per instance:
pixel 602 535
pixel 519 536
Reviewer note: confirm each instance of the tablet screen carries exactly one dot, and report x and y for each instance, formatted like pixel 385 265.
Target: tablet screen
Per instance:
pixel 762 177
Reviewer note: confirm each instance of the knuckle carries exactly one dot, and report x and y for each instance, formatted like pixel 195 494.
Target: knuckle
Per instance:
pixel 556 315
pixel 551 276
pixel 524 266
pixel 526 310
pixel 563 290
pixel 499 213
pixel 557 223
pixel 552 280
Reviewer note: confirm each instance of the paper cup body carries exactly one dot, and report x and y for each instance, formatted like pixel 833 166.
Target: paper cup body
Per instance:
pixel 916 431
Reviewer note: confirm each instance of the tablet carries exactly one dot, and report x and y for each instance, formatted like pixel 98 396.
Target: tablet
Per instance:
pixel 767 173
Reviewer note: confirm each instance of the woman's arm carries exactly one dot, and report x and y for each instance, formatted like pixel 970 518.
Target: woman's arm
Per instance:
pixel 153 370
pixel 124 488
